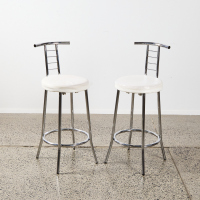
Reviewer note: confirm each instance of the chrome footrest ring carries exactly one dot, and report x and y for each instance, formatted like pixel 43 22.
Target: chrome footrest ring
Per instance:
pixel 66 129
pixel 136 130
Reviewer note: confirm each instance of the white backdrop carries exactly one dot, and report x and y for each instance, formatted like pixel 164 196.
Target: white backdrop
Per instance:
pixel 102 35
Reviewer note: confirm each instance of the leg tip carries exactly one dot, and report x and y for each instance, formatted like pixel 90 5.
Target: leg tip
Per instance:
pixel 105 162
pixel 97 162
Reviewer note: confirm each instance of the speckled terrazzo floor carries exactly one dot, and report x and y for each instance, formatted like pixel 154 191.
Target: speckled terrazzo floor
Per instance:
pixel 22 176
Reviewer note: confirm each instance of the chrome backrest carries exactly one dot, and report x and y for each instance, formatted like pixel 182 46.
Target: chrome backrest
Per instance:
pixel 156 55
pixel 46 51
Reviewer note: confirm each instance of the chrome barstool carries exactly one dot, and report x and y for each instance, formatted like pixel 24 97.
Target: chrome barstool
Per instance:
pixel 140 84
pixel 63 84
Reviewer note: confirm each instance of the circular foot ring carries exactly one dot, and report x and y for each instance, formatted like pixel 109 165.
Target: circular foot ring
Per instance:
pixel 67 129
pixel 136 130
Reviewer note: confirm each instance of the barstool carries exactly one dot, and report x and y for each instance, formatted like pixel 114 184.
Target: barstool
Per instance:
pixel 63 84
pixel 140 84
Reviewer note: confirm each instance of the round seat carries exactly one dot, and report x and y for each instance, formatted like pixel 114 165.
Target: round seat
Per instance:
pixel 65 83
pixel 139 84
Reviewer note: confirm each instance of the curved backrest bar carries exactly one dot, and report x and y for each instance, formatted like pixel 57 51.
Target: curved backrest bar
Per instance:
pixel 152 43
pixel 51 43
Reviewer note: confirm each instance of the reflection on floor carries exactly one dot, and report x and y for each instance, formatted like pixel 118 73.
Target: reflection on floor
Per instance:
pixel 22 176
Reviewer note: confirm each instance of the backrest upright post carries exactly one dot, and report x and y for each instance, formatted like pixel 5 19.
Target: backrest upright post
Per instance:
pixel 46 60
pixel 158 60
pixel 147 56
pixel 57 58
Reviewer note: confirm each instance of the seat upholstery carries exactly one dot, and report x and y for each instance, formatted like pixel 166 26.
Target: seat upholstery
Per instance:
pixel 139 84
pixel 65 83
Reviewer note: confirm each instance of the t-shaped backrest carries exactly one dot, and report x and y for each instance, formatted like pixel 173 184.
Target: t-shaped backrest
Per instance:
pixel 155 54
pixel 56 56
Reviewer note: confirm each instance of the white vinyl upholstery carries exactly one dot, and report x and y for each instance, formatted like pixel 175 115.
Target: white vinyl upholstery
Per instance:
pixel 65 83
pixel 139 84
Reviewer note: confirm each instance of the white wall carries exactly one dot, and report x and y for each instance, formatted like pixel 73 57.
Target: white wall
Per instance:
pixel 102 35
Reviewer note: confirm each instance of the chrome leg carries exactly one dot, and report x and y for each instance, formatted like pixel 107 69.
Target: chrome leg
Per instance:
pixel 59 130
pixel 72 118
pixel 43 123
pixel 89 125
pixel 143 131
pixel 160 126
pixel 131 120
pixel 113 128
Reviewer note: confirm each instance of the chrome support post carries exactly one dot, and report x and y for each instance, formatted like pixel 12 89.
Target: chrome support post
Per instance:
pixel 158 60
pixel 57 58
pixel 131 120
pixel 147 56
pixel 89 125
pixel 43 123
pixel 113 127
pixel 46 60
pixel 59 130
pixel 143 132
pixel 72 118
pixel 160 126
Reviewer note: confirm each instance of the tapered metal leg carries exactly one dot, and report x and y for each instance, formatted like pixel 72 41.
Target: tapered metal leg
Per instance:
pixel 160 126
pixel 143 132
pixel 89 125
pixel 131 120
pixel 72 118
pixel 113 127
pixel 43 122
pixel 59 130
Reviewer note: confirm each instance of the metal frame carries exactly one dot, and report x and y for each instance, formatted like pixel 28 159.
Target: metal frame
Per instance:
pixel 50 43
pixel 60 129
pixel 56 55
pixel 153 44
pixel 143 131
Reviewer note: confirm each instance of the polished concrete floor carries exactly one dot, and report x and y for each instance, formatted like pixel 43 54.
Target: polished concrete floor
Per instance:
pixel 22 176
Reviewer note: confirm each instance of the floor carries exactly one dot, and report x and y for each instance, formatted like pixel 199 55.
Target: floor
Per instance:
pixel 22 176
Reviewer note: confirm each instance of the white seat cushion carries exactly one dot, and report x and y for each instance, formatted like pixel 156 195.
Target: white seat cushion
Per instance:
pixel 65 83
pixel 139 84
